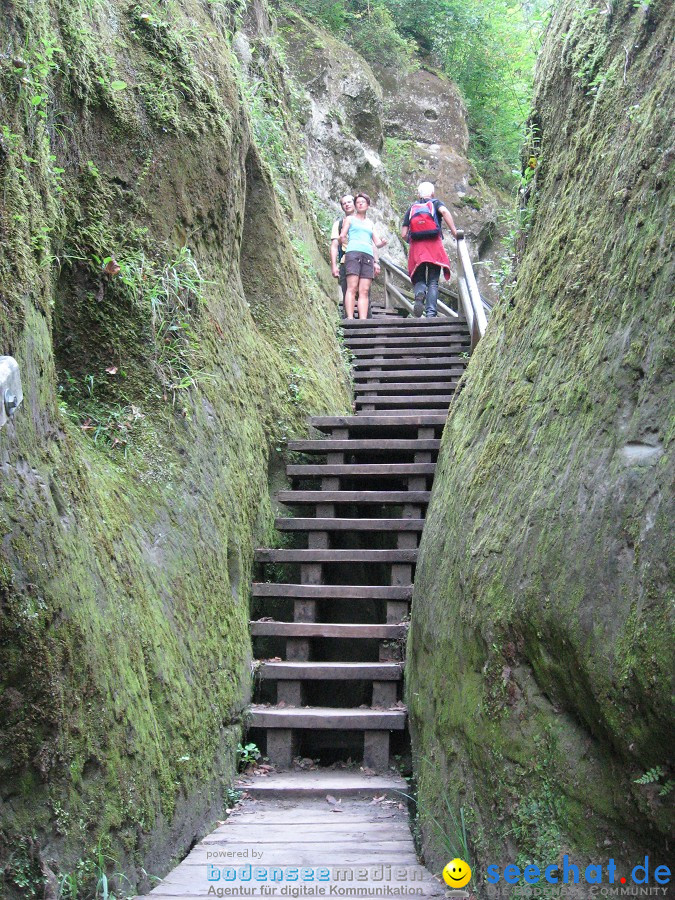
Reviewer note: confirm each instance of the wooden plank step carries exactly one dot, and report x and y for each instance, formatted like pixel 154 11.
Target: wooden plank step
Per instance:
pixel 413 374
pixel 402 321
pixel 413 400
pixel 327 630
pixel 332 591
pixel 356 445
pixel 450 349
pixel 383 421
pixel 268 555
pixel 331 671
pixel 364 366
pixel 360 470
pixel 377 332
pixel 319 782
pixel 312 523
pixel 406 387
pixel 327 717
pixel 419 342
pixel 292 498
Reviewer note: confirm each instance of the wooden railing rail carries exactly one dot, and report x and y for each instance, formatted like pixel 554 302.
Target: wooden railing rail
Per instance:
pixel 467 293
pixel 472 302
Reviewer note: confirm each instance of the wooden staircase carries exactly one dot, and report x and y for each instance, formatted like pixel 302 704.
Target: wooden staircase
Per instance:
pixel 333 686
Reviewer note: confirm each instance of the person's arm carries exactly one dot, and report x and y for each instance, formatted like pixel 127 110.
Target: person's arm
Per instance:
pixel 334 244
pixel 345 230
pixel 447 218
pixel 379 241
pixel 376 255
pixel 405 227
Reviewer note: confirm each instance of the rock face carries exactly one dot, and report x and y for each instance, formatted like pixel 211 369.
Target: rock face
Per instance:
pixel 541 648
pixel 163 361
pixel 383 131
pixel 343 119
pixel 426 122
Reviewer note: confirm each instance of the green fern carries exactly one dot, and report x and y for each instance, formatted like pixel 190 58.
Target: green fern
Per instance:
pixel 651 775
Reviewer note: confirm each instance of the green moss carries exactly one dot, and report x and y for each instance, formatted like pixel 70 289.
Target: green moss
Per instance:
pixel 542 596
pixel 124 648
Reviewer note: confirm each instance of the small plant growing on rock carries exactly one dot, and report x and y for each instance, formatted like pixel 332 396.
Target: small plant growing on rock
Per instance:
pixel 247 754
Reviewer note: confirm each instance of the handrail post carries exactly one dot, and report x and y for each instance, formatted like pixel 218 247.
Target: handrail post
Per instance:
pixel 388 306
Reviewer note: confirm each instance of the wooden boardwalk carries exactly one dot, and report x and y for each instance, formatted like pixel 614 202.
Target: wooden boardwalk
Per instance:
pixel 348 831
pixel 331 666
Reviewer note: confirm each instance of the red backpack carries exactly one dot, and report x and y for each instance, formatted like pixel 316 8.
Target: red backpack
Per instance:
pixel 423 222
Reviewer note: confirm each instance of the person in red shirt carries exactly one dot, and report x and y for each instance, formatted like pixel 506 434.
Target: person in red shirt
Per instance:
pixel 422 229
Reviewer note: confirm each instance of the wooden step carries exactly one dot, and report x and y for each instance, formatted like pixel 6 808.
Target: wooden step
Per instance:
pixel 382 422
pixel 363 367
pixel 288 523
pixel 402 321
pixel 318 783
pixel 405 342
pixel 414 401
pixel 379 332
pixel 269 555
pixel 385 445
pixel 292 498
pixel 326 717
pixel 360 470
pixel 356 592
pixel 382 388
pixel 453 349
pixel 413 375
pixel 327 630
pixel 331 671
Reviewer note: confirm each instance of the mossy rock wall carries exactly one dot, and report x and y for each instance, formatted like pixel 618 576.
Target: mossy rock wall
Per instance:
pixel 541 647
pixel 134 479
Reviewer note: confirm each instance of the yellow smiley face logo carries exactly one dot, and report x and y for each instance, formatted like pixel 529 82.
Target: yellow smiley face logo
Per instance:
pixel 457 873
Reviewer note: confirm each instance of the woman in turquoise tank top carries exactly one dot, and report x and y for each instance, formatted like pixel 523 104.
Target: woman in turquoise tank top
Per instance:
pixel 361 264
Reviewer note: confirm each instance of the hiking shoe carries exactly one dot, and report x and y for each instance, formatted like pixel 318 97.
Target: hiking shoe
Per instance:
pixel 419 305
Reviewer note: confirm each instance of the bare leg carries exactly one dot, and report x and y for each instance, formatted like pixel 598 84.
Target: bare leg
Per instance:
pixel 350 296
pixel 364 294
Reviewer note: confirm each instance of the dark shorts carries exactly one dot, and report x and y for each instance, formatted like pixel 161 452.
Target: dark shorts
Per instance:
pixel 360 264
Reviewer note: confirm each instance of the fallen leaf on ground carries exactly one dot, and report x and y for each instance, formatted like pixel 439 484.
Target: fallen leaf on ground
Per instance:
pixel 112 267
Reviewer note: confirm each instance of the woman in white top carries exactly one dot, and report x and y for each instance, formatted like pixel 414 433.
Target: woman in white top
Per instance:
pixel 361 265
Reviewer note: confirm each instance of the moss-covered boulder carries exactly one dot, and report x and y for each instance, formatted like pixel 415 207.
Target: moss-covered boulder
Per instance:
pixel 162 289
pixel 541 649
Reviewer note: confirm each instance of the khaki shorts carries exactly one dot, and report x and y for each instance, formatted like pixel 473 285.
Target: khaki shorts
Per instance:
pixel 361 264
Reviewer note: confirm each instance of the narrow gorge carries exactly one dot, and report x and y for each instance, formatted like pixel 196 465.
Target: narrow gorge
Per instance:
pixel 169 174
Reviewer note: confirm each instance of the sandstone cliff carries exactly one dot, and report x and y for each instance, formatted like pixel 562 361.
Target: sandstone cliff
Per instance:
pixel 163 291
pixel 383 130
pixel 541 646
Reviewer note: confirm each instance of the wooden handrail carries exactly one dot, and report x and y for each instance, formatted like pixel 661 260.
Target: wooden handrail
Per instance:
pixel 467 292
pixel 472 302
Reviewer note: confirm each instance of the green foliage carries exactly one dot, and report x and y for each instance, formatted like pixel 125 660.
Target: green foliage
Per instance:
pixel 488 47
pixel 369 27
pixel 398 159
pixel 172 295
pixel 247 754
pixel 654 776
